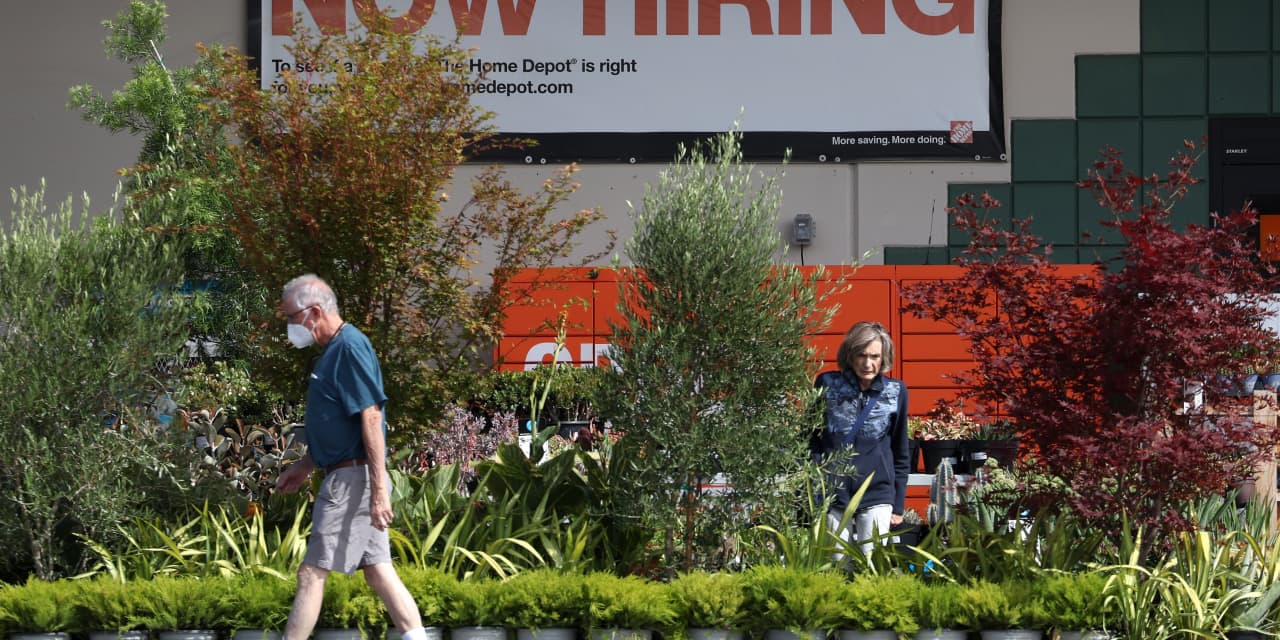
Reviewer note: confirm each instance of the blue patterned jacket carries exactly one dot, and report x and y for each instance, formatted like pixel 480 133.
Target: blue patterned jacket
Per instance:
pixel 880 448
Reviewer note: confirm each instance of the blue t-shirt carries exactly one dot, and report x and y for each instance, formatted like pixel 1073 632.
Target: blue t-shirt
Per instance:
pixel 346 380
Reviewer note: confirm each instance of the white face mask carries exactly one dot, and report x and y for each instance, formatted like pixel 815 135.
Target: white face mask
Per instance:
pixel 300 336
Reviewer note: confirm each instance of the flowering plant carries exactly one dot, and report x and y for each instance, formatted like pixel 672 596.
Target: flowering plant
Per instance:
pixel 464 438
pixel 944 422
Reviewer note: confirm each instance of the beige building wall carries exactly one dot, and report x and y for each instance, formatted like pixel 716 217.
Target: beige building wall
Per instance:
pixel 51 45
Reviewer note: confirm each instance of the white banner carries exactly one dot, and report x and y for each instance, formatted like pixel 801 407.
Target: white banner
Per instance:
pixel 863 77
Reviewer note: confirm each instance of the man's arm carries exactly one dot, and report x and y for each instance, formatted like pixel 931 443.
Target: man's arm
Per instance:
pixel 292 478
pixel 375 450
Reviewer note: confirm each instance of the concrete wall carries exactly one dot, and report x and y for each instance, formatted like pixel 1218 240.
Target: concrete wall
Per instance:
pixel 50 46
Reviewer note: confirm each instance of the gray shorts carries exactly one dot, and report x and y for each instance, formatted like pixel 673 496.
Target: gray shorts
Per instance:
pixel 343 538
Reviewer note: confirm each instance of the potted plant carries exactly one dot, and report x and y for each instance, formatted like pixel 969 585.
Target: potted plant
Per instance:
pixel 997 439
pixel 108 610
pixel 574 395
pixel 471 613
pixel 1075 605
pixel 709 606
pixel 625 608
pixel 350 611
pixel 256 607
pixel 1003 611
pixel 938 611
pixel 788 603
pixel 912 530
pixel 36 610
pixel 432 589
pixel 940 433
pixel 542 604
pixel 1249 620
pixel 181 608
pixel 878 607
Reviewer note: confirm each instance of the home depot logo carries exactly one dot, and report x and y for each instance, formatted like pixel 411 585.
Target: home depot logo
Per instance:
pixel 961 131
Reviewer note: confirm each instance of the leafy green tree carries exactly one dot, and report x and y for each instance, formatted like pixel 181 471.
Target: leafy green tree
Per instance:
pixel 169 190
pixel 85 328
pixel 713 371
pixel 354 186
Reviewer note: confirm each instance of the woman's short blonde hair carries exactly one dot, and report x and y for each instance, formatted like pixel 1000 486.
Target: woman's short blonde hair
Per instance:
pixel 856 340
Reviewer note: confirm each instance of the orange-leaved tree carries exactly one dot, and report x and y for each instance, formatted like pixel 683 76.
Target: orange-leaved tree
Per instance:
pixel 344 168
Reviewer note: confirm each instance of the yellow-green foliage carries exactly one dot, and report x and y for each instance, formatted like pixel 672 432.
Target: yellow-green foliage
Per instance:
pixel 880 602
pixel 431 588
pixel 542 599
pixel 1075 601
pixel 938 606
pixel 37 606
pixel 349 603
pixel 709 600
pixel 1004 605
pixel 628 603
pixel 791 599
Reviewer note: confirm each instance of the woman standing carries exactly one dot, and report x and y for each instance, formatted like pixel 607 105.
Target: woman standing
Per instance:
pixel 864 436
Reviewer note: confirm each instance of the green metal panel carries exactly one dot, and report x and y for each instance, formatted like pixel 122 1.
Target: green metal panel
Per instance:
pixel 1052 209
pixel 1001 191
pixel 1124 135
pixel 1091 215
pixel 1174 25
pixel 1108 86
pixel 1240 25
pixel 1275 83
pixel 1173 85
pixel 1044 150
pixel 1064 254
pixel 922 254
pixel 1090 255
pixel 1238 83
pixel 1194 209
pixel 1275 25
pixel 1163 137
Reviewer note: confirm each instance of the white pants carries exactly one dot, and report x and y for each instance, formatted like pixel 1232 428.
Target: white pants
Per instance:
pixel 866 525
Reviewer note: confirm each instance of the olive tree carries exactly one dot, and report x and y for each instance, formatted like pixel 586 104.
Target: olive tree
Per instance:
pixel 713 371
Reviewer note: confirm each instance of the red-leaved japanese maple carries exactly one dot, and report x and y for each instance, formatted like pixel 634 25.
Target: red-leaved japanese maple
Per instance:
pixel 1092 370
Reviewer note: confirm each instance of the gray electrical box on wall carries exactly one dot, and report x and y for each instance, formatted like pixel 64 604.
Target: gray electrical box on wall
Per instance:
pixel 802 229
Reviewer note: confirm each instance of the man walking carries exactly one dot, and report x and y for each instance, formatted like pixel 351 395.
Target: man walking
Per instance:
pixel 346 438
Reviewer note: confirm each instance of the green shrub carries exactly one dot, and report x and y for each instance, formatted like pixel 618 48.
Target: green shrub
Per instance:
pixel 938 606
pixel 713 367
pixel 37 606
pixel 472 604
pixel 182 603
pixel 795 600
pixel 86 313
pixel 574 393
pixel 709 600
pixel 880 602
pixel 432 589
pixel 1004 605
pixel 1075 601
pixel 257 601
pixel 627 602
pixel 104 604
pixel 542 599
pixel 349 603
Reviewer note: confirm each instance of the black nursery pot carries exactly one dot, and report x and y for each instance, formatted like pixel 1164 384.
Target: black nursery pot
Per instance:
pixel 933 451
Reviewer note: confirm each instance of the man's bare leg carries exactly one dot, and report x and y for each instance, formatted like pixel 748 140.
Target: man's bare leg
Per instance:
pixel 306 602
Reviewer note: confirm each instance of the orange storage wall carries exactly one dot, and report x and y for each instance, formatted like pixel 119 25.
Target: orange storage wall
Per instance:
pixel 928 352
